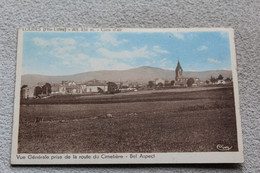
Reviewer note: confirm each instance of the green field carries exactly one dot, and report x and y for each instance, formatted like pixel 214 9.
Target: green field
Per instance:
pixel 151 122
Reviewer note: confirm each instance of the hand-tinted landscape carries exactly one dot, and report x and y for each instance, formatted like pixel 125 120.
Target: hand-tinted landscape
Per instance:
pixel 126 92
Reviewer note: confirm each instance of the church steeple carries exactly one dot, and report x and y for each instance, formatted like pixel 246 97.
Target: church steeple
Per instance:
pixel 178 66
pixel 178 72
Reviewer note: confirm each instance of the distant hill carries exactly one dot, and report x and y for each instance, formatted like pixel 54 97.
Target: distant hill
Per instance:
pixel 140 74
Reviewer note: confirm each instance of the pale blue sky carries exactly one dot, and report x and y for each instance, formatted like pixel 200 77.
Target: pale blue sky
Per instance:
pixel 53 53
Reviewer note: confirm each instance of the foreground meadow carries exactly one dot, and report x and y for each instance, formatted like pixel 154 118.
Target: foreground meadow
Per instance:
pixel 155 122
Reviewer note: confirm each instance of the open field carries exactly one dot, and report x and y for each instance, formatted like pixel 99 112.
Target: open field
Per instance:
pixel 153 122
pixel 140 96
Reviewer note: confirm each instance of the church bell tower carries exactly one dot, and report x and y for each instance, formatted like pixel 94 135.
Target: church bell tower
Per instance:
pixel 178 72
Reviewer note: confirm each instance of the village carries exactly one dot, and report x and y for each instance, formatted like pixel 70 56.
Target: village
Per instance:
pixel 94 86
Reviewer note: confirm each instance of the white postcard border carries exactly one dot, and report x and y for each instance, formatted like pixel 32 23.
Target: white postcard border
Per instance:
pixel 153 158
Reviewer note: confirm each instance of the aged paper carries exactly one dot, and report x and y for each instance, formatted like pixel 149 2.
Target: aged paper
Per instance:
pixel 126 96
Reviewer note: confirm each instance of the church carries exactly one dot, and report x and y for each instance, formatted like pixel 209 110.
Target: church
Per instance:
pixel 180 80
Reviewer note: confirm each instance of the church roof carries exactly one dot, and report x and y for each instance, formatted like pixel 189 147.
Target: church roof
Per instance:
pixel 178 66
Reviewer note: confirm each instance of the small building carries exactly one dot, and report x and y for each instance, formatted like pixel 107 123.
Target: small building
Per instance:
pixel 157 81
pixel 72 89
pixel 62 89
pixel 68 83
pixel 93 86
pixel 55 88
pixel 68 87
pixel 27 92
pixel 181 83
pixel 221 82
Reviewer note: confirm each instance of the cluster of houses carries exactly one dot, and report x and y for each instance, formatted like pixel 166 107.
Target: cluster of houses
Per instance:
pixel 71 87
pixel 67 87
pixel 96 86
pixel 183 81
pixel 180 80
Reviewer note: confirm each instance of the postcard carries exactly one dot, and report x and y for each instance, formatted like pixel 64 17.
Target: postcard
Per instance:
pixel 126 96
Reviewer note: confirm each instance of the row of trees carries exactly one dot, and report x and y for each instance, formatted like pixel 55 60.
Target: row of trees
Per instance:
pixel 45 89
pixel 214 80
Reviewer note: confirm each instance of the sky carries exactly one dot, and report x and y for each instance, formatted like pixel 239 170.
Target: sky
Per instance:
pixel 65 53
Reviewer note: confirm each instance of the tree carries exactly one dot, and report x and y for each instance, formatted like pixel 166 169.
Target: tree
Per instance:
pixel 220 77
pixel 207 82
pixel 112 88
pixel 172 83
pixel 150 84
pixel 46 89
pixel 37 91
pixel 190 81
pixel 212 79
